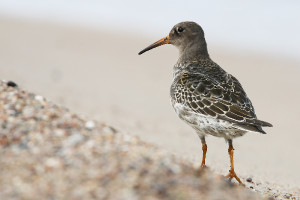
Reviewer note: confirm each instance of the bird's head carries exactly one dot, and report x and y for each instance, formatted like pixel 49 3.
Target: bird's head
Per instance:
pixel 183 35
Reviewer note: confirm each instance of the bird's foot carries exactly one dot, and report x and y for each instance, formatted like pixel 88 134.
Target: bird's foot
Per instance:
pixel 203 167
pixel 232 175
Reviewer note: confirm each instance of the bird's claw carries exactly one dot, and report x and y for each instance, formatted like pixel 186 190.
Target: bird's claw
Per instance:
pixel 232 175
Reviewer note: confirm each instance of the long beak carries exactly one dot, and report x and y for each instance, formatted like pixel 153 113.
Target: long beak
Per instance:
pixel 163 41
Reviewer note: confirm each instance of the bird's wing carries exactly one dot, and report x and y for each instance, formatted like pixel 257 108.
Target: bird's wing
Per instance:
pixel 224 100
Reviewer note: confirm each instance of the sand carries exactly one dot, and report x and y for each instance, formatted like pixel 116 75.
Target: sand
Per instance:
pixel 97 73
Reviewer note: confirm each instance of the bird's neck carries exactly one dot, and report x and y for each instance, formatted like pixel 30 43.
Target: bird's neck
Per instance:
pixel 193 51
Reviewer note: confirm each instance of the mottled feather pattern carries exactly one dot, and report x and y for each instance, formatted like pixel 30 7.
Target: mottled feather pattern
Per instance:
pixel 207 89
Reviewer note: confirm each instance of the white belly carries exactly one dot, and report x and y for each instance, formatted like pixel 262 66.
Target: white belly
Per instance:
pixel 206 124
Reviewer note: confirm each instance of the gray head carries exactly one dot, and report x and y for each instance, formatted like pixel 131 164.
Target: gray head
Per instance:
pixel 188 37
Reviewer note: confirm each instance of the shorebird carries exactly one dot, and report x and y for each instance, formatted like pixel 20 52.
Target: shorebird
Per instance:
pixel 205 96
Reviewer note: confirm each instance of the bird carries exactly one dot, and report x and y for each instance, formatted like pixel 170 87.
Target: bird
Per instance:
pixel 206 97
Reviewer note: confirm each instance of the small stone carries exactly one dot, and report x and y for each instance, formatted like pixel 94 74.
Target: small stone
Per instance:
pixel 28 111
pixel 90 144
pixel 39 98
pixel 108 130
pixel 127 138
pixel 90 125
pixel 52 163
pixel 11 84
pixel 59 132
pixel 175 168
pixel 249 180
pixel 74 140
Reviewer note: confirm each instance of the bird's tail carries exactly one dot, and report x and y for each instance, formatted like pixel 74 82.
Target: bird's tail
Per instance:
pixel 255 126
pixel 262 123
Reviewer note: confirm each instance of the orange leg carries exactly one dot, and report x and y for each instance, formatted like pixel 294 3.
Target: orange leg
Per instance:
pixel 204 150
pixel 231 171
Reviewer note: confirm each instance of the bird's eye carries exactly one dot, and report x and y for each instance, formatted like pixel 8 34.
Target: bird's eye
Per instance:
pixel 180 29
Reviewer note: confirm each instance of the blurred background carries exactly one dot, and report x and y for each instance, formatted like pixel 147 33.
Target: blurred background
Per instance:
pixel 82 54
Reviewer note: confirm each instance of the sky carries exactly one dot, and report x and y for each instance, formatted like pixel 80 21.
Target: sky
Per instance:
pixel 266 26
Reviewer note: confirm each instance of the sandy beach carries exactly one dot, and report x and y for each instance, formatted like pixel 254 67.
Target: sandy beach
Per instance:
pixel 97 73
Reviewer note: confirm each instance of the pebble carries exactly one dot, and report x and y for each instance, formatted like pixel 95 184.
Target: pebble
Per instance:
pixel 39 98
pixel 11 84
pixel 249 180
pixel 90 125
pixel 28 111
pixel 73 140
pixel 52 163
pixel 59 132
